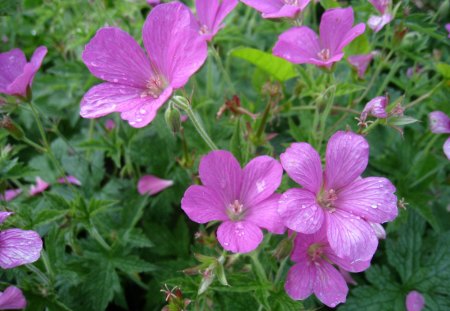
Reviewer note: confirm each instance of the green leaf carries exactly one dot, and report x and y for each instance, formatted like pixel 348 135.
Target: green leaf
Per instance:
pixel 360 45
pixel 48 216
pixel 133 264
pixel 443 69
pixel 236 146
pixel 279 68
pixel 348 88
pixel 329 4
pixel 403 120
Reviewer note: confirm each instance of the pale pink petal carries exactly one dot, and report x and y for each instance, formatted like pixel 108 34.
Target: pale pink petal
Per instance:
pixel 12 64
pixel 376 107
pixel 376 23
pixel 10 194
pixel 211 14
pixel 152 185
pixel 378 229
pixel 19 247
pixel 380 5
pixel 239 237
pixel 265 215
pixel 350 236
pixel 330 287
pixel 447 148
pixel 415 301
pixel 219 170
pixel 300 212
pixel 334 26
pixel 12 299
pixel 346 263
pixel 4 216
pixel 298 45
pixel 286 11
pixel 347 276
pixel 261 177
pixel 278 8
pixel 360 62
pixel 347 156
pixel 300 280
pixel 302 163
pixel 69 180
pixel 172 40
pixel 39 187
pixel 265 7
pixel 202 205
pixel 439 122
pixel 371 198
pixel 114 56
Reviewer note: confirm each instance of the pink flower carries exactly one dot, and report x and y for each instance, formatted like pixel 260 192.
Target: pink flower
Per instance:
pixel 338 197
pixel 137 85
pixel 301 45
pixel 151 185
pixel 12 299
pixel 314 272
pixel 211 13
pixel 361 62
pixel 440 124
pixel 16 75
pixel 376 23
pixel 69 180
pixel 376 108
pixel 110 124
pixel 242 199
pixel 10 194
pixel 278 8
pixel 4 216
pixel 19 247
pixel 414 301
pixel 40 186
pixel 447 27
pixel 381 5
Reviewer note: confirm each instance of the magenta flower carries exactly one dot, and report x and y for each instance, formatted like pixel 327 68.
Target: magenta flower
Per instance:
pixel 314 272
pixel 137 85
pixel 414 301
pixel 301 45
pixel 360 63
pixel 278 8
pixel 376 108
pixel 153 2
pixel 10 194
pixel 16 75
pixel 4 216
pixel 338 197
pixel 69 180
pixel 242 199
pixel 447 27
pixel 440 124
pixel 12 299
pixel 381 5
pixel 376 23
pixel 110 124
pixel 211 13
pixel 40 186
pixel 151 185
pixel 19 247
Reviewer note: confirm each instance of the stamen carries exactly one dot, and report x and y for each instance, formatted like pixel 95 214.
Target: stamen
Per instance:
pixel 324 54
pixel 235 210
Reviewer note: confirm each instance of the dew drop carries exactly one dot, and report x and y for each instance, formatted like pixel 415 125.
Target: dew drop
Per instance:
pixel 374 206
pixel 260 185
pixel 115 80
pixel 142 111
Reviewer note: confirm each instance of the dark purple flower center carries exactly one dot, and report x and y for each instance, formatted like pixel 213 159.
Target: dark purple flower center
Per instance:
pixel 326 199
pixel 155 86
pixel 315 251
pixel 324 54
pixel 235 210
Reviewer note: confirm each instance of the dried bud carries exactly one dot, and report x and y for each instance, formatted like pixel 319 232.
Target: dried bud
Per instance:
pixel 284 249
pixel 15 130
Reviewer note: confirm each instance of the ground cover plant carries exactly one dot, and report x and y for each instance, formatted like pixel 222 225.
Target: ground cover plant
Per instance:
pixel 224 155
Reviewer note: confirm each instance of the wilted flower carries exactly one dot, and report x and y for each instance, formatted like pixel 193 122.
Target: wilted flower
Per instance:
pixel 338 197
pixel 278 8
pixel 301 45
pixel 376 23
pixel 39 187
pixel 361 62
pixel 10 194
pixel 376 107
pixel 12 299
pixel 151 185
pixel 440 124
pixel 69 180
pixel 243 199
pixel 211 13
pixel 137 85
pixel 314 272
pixel 16 75
pixel 414 301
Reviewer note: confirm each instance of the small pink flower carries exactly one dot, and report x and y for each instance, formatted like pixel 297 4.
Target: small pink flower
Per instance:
pixel 40 186
pixel 110 124
pixel 151 185
pixel 137 85
pixel 12 299
pixel 338 196
pixel 4 216
pixel 278 8
pixel 244 200
pixel 381 5
pixel 440 124
pixel 447 27
pixel 376 108
pixel 10 194
pixel 184 117
pixel 211 13
pixel 69 180
pixel 19 247
pixel 376 23
pixel 414 301
pixel 16 75
pixel 301 45
pixel 313 271
pixel 361 62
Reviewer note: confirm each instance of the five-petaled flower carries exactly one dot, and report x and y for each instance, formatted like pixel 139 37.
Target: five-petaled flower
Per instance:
pixel 211 13
pixel 338 197
pixel 244 200
pixel 137 85
pixel 415 301
pixel 278 8
pixel 440 124
pixel 301 45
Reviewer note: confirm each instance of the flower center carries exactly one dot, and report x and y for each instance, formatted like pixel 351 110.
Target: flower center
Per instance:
pixel 324 54
pixel 204 30
pixel 155 86
pixel 235 210
pixel 326 199
pixel 291 2
pixel 315 251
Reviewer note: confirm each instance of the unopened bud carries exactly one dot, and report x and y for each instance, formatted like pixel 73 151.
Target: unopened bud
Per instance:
pixel 173 119
pixel 13 129
pixel 284 249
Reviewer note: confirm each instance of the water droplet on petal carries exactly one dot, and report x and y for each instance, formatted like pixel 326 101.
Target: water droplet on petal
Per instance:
pixel 142 111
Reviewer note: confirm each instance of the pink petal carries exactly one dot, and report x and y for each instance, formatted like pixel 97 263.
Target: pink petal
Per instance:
pixel 202 205
pixel 114 56
pixel 286 11
pixel 447 148
pixel 447 27
pixel 172 40
pixel 350 236
pixel 153 2
pixel 302 243
pixel 360 62
pixel 379 230
pixel 334 27
pixel 261 177
pixel 265 7
pixel 10 194
pixel 12 64
pixel 219 170
pixel 300 212
pixel 298 45
pixel 12 298
pixel 265 215
pixel 347 277
pixel 346 263
pixel 371 198
pixel 376 107
pixel 239 237
pixel 300 280
pixel 69 180
pixel 347 156
pixel 40 186
pixel 439 122
pixel 330 287
pixel 19 247
pixel 211 14
pixel 302 163
pixel 151 185
pixel 415 301
pixel 380 5
pixel 277 8
pixel 356 31
pixel 4 216
pixel 376 23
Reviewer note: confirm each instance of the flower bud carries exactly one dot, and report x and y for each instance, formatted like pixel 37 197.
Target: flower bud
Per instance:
pixel 284 249
pixel 13 129
pixel 173 119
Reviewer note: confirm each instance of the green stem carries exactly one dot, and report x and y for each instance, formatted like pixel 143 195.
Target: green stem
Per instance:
pixel 423 97
pixel 39 273
pixel 264 118
pixel 258 268
pixel 34 145
pixel 47 264
pixel 222 68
